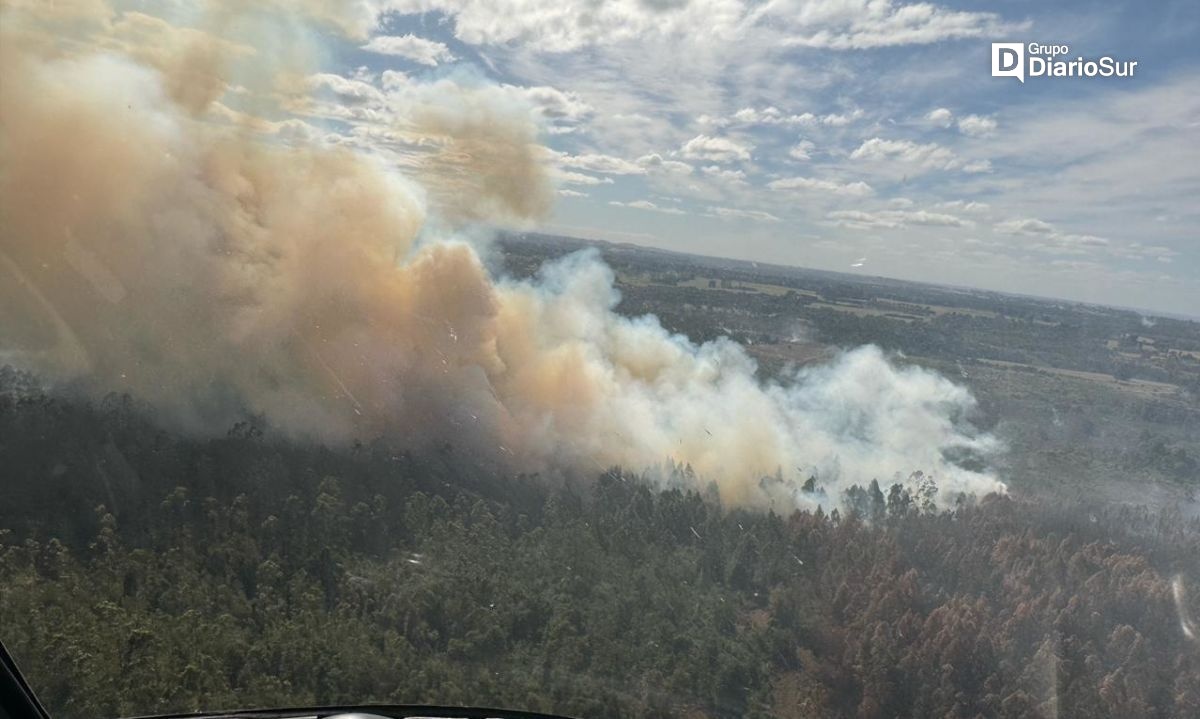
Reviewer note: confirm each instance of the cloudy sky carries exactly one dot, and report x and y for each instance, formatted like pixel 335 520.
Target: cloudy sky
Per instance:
pixel 865 136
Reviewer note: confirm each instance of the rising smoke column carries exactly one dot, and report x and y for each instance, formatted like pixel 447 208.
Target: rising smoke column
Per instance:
pixel 207 260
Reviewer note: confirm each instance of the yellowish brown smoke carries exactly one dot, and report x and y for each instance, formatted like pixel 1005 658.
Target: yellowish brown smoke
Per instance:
pixel 146 247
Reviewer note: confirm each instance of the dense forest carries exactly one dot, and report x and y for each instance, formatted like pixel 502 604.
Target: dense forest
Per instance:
pixel 144 570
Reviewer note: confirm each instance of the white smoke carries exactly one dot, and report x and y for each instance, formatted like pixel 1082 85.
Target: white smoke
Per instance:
pixel 149 246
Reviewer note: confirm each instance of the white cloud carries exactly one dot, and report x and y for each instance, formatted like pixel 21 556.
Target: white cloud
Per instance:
pixel 733 213
pixel 571 193
pixel 411 47
pixel 1109 166
pixel 1159 250
pixel 656 163
pixel 861 24
pixel 928 156
pixel 839 120
pixel 976 125
pixel 1120 161
pixel 559 109
pixel 1045 237
pixel 1068 243
pixel 1029 226
pixel 856 189
pixel 648 205
pixel 393 79
pixel 567 177
pixel 713 121
pixel 801 150
pixel 890 219
pixel 774 116
pixel 731 176
pixel 1137 250
pixel 603 164
pixel 346 89
pixel 971 125
pixel 965 205
pixel 564 25
pixel 715 149
pixel 765 116
pixel 940 117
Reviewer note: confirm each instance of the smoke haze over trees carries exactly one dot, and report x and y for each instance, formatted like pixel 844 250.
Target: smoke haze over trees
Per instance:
pixel 146 571
pixel 157 242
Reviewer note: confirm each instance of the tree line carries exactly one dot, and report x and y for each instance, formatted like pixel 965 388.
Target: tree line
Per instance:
pixel 146 570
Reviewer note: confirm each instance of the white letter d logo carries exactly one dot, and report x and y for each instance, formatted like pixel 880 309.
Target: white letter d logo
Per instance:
pixel 1008 60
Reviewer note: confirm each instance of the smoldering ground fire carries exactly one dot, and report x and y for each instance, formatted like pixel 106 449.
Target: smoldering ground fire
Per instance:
pixel 213 263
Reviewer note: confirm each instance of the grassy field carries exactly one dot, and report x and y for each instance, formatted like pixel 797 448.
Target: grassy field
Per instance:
pixel 1137 386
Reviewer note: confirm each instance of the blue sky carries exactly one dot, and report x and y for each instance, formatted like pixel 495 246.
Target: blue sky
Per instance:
pixel 858 135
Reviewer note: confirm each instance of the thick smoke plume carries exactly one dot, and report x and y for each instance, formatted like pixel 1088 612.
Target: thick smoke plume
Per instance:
pixel 156 241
